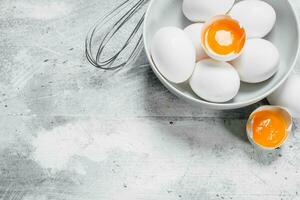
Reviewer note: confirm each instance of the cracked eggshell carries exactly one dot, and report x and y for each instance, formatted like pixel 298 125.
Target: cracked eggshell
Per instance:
pixel 283 112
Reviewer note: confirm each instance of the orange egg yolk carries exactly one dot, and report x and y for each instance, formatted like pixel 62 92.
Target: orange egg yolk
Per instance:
pixel 269 128
pixel 223 35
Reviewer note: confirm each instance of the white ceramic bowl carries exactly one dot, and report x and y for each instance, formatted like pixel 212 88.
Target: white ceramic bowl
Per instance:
pixel 285 36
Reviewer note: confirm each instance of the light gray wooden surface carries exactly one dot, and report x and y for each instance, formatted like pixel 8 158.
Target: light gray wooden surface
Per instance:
pixel 69 131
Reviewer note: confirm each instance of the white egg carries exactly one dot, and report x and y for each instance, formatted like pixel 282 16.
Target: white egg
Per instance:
pixel 288 95
pixel 194 33
pixel 215 81
pixel 257 17
pixel 202 10
pixel 258 62
pixel 173 54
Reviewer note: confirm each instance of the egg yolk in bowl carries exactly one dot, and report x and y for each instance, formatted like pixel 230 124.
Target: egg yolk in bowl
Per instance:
pixel 223 38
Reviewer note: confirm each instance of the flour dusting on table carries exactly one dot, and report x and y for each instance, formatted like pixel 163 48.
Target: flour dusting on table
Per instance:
pixel 44 11
pixel 55 148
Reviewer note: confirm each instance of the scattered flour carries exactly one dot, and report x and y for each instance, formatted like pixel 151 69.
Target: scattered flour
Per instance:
pixel 55 148
pixel 41 10
pixel 34 197
pixel 159 160
pixel 147 158
pixel 130 156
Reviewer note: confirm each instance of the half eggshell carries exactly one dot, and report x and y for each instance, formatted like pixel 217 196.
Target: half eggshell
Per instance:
pixel 282 111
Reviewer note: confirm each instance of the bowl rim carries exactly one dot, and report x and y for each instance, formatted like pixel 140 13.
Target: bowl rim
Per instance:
pixel 219 106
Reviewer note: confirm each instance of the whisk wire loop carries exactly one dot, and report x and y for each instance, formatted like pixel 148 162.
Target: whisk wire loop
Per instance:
pixel 107 35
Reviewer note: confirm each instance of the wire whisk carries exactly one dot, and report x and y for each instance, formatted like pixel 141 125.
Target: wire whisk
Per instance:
pixel 113 28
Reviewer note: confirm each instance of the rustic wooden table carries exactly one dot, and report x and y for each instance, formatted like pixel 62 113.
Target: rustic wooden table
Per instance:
pixel 71 131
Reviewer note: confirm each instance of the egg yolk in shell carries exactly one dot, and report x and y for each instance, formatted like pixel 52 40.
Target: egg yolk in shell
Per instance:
pixel 269 128
pixel 223 35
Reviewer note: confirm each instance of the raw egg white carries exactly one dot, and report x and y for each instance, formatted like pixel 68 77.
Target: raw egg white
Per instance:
pixel 215 81
pixel 194 33
pixel 258 62
pixel 174 54
pixel 288 95
pixel 257 17
pixel 202 10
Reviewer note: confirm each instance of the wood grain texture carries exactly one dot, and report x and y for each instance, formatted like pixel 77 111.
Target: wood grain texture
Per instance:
pixel 144 143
